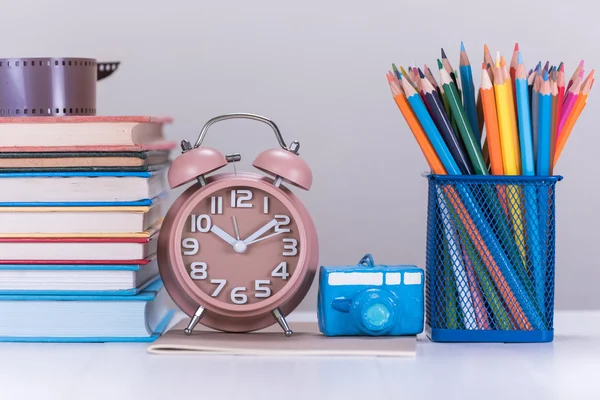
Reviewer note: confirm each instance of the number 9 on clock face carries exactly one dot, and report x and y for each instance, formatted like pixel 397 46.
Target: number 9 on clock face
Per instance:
pixel 240 245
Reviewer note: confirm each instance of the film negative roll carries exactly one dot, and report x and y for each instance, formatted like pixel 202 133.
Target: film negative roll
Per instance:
pixel 50 86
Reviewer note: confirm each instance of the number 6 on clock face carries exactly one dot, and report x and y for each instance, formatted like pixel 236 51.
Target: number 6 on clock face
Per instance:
pixel 241 245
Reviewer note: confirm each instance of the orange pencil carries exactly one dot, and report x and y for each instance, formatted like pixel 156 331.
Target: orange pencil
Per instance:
pixel 490 116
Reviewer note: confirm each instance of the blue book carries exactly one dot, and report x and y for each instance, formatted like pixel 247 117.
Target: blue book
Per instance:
pixel 82 188
pixel 86 318
pixel 77 279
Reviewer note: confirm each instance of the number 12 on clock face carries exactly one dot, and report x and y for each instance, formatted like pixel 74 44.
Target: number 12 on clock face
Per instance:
pixel 241 245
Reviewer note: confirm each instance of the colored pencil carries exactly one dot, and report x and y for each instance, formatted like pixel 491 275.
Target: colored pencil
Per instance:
pixel 528 163
pixel 512 113
pixel 535 96
pixel 505 108
pixel 544 127
pixel 560 83
pixel 513 70
pixel 575 75
pixel 509 156
pixel 468 89
pixel 553 119
pixel 524 114
pixel 490 118
pixel 573 117
pixel 471 143
pixel 440 118
pixel 570 99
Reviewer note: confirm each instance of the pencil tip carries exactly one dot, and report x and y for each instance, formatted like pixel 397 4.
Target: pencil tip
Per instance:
pixel 520 58
pixel 440 66
pixel 421 74
pixel 545 75
pixel 394 67
pixel 516 47
pixel 443 54
pixel 581 64
pixel 561 67
pixel 462 46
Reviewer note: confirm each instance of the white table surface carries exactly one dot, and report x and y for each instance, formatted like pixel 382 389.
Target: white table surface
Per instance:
pixel 568 368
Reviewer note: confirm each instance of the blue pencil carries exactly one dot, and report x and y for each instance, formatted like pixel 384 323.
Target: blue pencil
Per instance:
pixel 528 168
pixel 544 161
pixel 468 91
pixel 544 127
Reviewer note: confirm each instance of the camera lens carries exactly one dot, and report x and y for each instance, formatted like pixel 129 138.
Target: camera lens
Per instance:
pixel 374 311
pixel 376 316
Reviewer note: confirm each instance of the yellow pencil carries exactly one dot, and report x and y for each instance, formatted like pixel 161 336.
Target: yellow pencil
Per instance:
pixel 504 123
pixel 504 106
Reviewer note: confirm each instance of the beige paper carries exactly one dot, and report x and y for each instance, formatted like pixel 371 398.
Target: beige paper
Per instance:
pixel 305 341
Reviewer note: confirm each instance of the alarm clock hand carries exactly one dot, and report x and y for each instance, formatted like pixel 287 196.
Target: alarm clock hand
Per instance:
pixel 262 230
pixel 265 237
pixel 223 235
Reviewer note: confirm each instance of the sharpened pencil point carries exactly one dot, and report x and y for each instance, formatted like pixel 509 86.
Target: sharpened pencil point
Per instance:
pixel 545 75
pixel 520 58
pixel 462 46
pixel 516 47
pixel 443 54
pixel 421 74
pixel 440 65
pixel 561 67
pixel 581 64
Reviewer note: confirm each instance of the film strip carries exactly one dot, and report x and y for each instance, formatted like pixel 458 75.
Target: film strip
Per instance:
pixel 50 86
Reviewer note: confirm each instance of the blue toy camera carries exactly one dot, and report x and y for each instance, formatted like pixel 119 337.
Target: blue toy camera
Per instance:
pixel 371 300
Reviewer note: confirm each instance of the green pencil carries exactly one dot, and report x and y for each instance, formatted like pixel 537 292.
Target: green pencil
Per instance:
pixel 458 112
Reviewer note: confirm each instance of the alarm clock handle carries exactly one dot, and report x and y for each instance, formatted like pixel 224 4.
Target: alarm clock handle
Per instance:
pixel 294 146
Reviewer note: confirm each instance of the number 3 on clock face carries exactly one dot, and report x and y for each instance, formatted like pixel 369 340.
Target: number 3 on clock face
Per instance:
pixel 240 245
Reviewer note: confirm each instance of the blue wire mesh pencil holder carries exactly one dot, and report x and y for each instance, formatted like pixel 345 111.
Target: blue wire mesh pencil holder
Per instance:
pixel 490 258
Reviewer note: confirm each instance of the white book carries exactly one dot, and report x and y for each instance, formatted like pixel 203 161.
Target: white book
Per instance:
pixel 69 187
pixel 56 221
pixel 76 278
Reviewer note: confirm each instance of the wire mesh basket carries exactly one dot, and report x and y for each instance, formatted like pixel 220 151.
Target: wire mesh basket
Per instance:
pixel 490 258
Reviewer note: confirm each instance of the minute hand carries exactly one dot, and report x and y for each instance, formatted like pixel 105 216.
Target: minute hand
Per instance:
pixel 259 232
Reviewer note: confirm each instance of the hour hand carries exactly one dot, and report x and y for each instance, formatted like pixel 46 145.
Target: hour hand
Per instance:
pixel 223 235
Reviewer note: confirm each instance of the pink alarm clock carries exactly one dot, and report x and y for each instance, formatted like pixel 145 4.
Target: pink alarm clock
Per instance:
pixel 238 251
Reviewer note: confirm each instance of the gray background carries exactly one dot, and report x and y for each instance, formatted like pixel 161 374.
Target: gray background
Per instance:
pixel 317 68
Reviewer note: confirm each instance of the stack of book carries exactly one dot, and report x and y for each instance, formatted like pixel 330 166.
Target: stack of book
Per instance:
pixel 80 212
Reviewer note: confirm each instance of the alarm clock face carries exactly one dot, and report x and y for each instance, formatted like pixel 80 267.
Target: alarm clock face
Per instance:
pixel 239 245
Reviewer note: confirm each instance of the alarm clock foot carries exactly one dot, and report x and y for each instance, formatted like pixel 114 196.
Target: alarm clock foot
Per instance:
pixel 194 321
pixel 282 322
